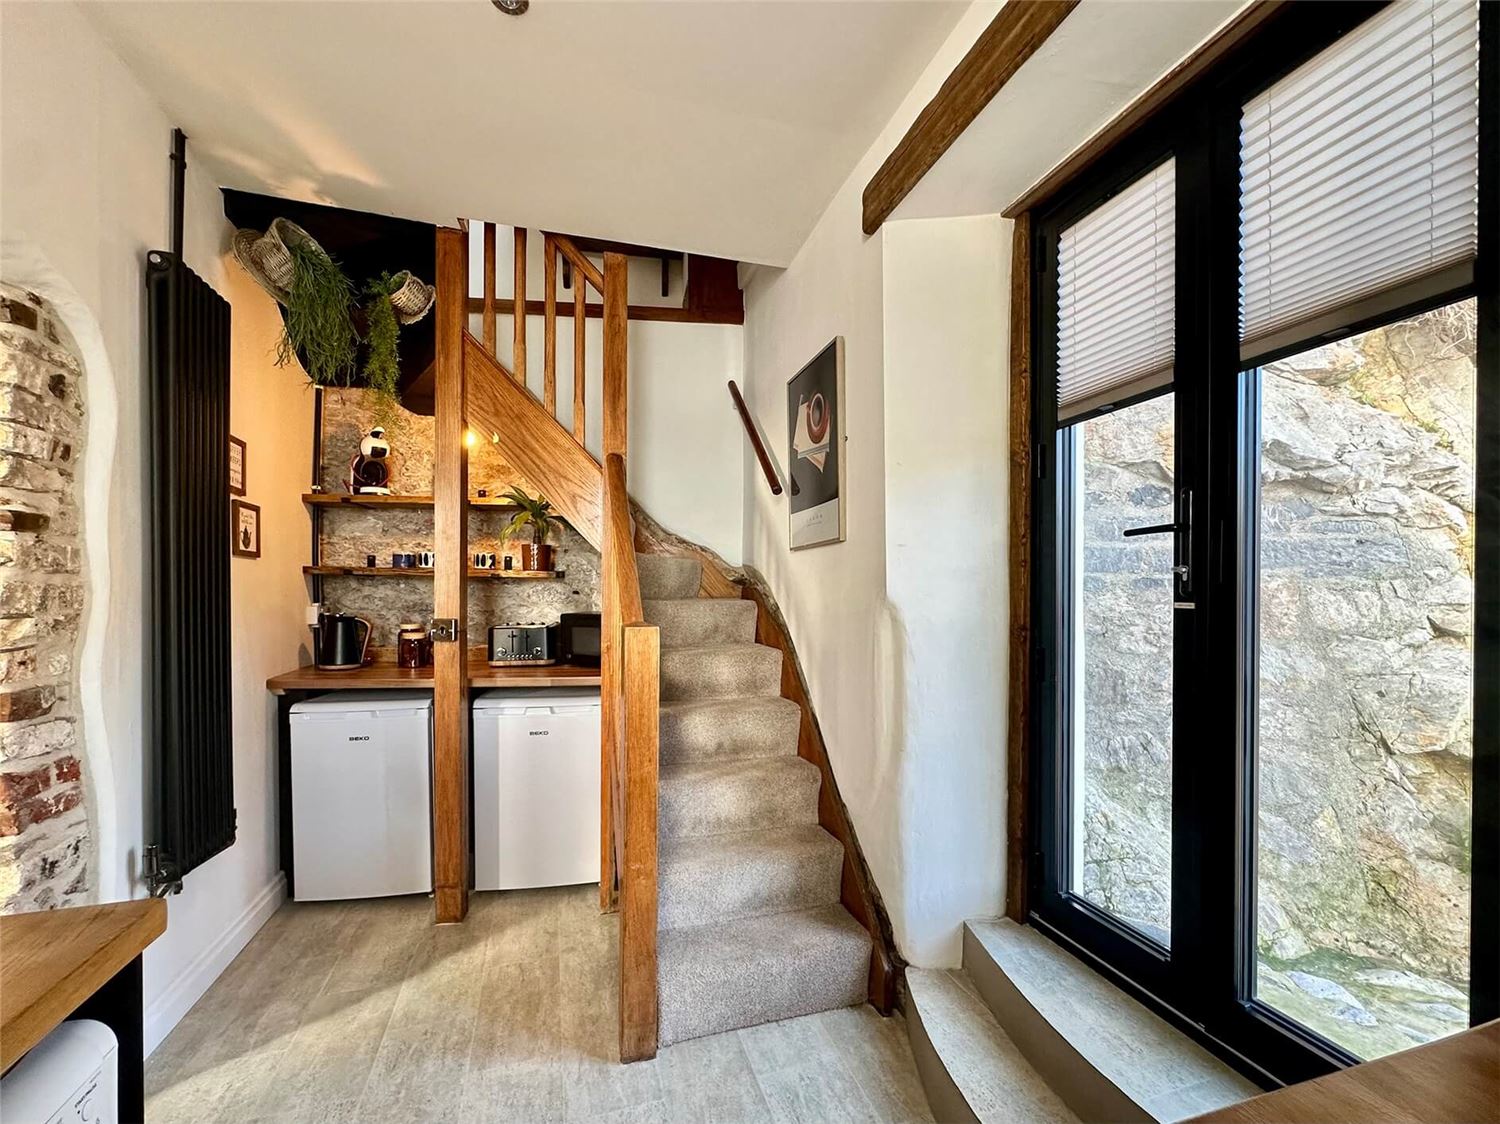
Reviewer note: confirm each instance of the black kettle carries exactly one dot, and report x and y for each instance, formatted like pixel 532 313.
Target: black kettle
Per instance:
pixel 342 642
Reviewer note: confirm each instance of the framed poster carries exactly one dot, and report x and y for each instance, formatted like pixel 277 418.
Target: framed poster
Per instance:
pixel 245 523
pixel 815 452
pixel 236 466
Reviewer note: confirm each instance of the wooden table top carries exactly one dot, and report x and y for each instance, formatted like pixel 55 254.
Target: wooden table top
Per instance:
pixel 385 676
pixel 1453 1079
pixel 53 960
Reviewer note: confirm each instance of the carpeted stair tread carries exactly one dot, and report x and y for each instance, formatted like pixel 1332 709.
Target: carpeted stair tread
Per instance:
pixel 666 578
pixel 720 671
pixel 715 729
pixel 754 970
pixel 746 874
pixel 749 794
pixel 702 620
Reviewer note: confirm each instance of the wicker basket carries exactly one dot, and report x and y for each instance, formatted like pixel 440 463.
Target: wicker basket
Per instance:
pixel 413 299
pixel 266 257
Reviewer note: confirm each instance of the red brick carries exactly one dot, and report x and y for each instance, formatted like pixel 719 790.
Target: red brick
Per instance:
pixel 16 787
pixel 16 818
pixel 66 769
pixel 30 702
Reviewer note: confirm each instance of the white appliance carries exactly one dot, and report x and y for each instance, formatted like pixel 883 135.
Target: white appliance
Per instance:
pixel 69 1077
pixel 536 788
pixel 361 795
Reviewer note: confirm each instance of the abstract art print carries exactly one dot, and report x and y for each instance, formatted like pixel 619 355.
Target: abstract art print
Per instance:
pixel 815 455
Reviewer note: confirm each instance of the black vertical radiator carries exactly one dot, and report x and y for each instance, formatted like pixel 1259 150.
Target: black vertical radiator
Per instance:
pixel 188 332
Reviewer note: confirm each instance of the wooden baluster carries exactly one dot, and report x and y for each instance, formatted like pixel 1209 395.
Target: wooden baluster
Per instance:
pixel 580 321
pixel 518 316
pixel 491 336
pixel 549 327
pixel 616 340
pixel 638 892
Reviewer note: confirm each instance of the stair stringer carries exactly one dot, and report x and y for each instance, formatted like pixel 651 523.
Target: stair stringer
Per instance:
pixel 534 442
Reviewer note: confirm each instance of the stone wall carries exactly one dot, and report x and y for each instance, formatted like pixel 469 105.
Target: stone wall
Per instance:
pixel 46 847
pixel 350 534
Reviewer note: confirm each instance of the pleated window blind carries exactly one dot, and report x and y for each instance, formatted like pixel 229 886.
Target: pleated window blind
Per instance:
pixel 1115 299
pixel 1359 176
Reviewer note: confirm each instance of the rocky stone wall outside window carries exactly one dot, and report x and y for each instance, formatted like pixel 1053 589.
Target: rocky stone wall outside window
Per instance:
pixel 1365 738
pixel 46 848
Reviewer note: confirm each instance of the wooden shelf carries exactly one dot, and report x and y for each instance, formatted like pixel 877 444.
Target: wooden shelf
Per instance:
pixel 343 499
pixel 417 572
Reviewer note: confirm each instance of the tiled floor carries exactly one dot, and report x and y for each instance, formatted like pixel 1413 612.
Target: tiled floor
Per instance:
pixel 365 1012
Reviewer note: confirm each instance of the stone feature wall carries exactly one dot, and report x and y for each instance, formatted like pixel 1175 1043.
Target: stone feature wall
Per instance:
pixel 351 534
pixel 45 842
pixel 1365 738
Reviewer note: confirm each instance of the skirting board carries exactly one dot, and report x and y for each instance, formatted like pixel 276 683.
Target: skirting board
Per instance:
pixel 167 1010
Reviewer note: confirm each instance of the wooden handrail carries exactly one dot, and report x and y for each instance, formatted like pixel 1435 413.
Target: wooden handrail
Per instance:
pixel 755 442
pixel 588 269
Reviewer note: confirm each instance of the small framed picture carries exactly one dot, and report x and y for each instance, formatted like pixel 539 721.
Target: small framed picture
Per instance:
pixel 236 466
pixel 815 449
pixel 245 521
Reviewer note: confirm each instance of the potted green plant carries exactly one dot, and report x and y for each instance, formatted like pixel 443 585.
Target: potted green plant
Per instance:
pixel 534 520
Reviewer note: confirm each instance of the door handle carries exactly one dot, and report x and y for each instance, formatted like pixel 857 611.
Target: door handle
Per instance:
pixel 1154 529
pixel 1182 572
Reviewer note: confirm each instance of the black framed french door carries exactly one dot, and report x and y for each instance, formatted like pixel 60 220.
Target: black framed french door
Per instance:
pixel 1266 589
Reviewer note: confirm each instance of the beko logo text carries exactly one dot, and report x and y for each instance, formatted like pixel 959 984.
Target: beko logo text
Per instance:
pixel 360 738
pixel 538 733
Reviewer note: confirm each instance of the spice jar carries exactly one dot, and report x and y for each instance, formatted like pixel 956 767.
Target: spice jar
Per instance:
pixel 413 646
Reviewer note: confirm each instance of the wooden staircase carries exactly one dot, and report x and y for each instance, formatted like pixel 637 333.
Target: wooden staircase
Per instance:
pixel 829 909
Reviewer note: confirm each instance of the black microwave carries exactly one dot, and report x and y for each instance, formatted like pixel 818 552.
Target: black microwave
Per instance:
pixel 578 638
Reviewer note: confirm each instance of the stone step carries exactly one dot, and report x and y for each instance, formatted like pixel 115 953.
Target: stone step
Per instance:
pixel 749 971
pixel 665 578
pixel 715 729
pixel 702 620
pixel 715 878
pixel 970 1068
pixel 750 794
pixel 720 671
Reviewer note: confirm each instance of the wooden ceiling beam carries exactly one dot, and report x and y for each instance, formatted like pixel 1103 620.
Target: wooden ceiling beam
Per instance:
pixel 1013 36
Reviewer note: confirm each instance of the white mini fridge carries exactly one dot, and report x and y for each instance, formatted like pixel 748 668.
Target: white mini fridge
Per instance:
pixel 362 795
pixel 536 788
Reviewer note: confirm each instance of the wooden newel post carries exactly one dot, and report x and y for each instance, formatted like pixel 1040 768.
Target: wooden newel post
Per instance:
pixel 638 997
pixel 450 702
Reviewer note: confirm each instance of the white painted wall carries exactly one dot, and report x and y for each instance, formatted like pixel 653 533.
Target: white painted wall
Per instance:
pixel 918 765
pixel 686 467
pixel 946 285
pixel 84 194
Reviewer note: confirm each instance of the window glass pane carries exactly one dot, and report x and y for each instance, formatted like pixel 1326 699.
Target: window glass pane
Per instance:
pixel 1121 675
pixel 1364 729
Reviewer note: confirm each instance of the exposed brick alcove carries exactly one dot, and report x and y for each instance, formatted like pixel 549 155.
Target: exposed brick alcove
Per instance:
pixel 46 848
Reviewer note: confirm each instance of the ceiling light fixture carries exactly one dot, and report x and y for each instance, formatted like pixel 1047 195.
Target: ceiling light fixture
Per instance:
pixel 512 7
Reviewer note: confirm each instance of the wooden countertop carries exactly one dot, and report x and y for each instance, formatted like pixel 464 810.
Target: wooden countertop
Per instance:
pixel 1455 1078
pixel 51 961
pixel 385 675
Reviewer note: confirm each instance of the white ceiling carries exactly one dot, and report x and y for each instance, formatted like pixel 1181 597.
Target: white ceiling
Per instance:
pixel 720 126
pixel 1105 54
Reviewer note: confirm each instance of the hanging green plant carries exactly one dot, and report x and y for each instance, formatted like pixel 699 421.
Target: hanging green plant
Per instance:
pixel 382 335
pixel 318 327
